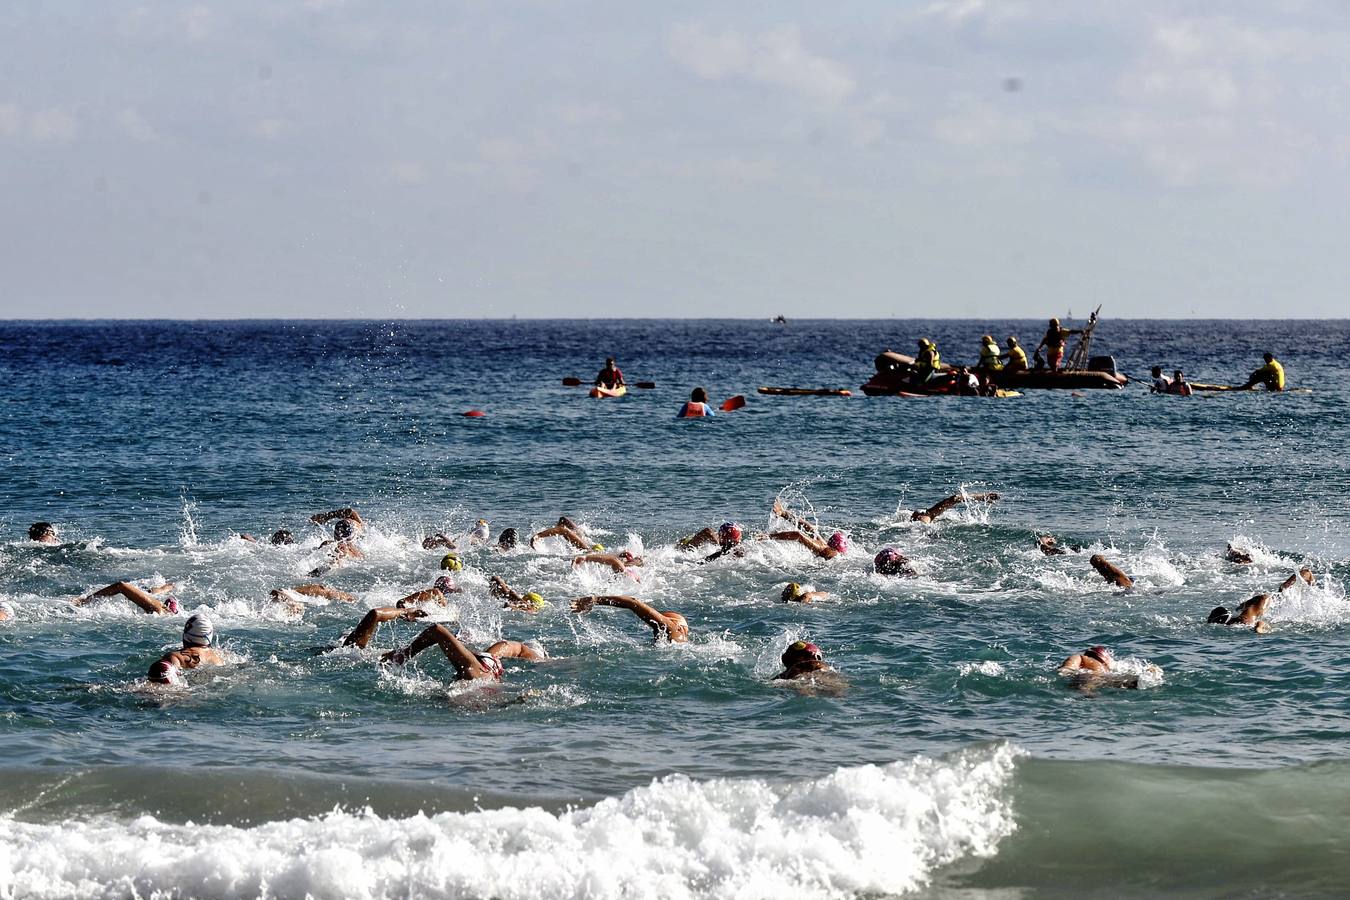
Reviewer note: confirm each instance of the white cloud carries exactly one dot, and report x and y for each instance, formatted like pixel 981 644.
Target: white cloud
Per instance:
pixel 11 119
pixel 776 58
pixel 53 125
pixel 135 125
pixel 406 172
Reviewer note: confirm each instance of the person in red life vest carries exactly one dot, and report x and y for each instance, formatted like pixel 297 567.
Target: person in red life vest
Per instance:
pixel 697 407
pixel 1179 385
pixel 610 376
pixel 1053 342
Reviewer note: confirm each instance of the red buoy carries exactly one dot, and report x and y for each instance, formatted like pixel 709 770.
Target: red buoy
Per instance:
pixel 475 414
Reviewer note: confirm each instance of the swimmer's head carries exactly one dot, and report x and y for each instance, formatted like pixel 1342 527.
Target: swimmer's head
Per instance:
pixel 535 600
pixel 728 534
pixel 597 548
pixel 344 529
pixel 450 562
pixel 1178 375
pixel 1219 615
pixel 609 362
pixel 1100 654
pixel 164 672
pixel 1268 357
pixel 838 543
pixel 791 591
pixel 172 605
pixel 508 539
pixel 1156 371
pixel 1054 323
pixel 283 536
pixel 445 584
pixel 630 558
pixel 198 631
pixel 888 561
pixel 42 532
pixel 6 610
pixel 481 522
pixel 799 652
pixel 677 626
pixel 698 395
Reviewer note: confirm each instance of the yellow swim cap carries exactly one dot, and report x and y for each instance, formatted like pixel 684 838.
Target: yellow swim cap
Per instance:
pixel 451 561
pixel 598 548
pixel 535 600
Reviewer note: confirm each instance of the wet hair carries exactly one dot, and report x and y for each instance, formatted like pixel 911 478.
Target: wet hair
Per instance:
pixel 567 521
pixel 1268 357
pixel 39 530
pixel 1156 371
pixel 1219 615
pixel 698 395
pixel 508 539
pixel 283 536
pixel 609 361
pixel 343 529
pixel 1177 375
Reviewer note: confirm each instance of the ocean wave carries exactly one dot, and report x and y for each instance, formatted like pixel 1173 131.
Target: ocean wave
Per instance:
pixel 863 830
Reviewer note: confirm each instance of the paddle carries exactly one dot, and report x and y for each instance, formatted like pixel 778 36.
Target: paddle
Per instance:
pixel 573 381
pixel 733 403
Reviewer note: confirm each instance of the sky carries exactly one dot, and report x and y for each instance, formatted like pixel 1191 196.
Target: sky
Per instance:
pixel 442 159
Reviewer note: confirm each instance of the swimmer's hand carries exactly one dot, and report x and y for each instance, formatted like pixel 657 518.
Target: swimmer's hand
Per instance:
pixel 412 612
pixel 583 604
pixel 395 657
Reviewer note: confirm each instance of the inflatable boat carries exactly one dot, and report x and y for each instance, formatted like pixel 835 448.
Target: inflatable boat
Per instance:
pixel 893 377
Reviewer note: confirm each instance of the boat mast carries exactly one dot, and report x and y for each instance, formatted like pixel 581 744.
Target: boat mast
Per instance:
pixel 1078 359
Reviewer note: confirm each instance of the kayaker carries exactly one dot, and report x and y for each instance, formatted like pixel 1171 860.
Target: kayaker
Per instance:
pixel 1179 386
pixel 1016 356
pixel 1271 375
pixel 668 625
pixel 610 376
pixel 1161 383
pixel 697 406
pixel 990 361
pixel 1053 342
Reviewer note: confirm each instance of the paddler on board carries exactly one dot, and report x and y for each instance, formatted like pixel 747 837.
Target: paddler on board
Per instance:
pixel 610 377
pixel 1271 375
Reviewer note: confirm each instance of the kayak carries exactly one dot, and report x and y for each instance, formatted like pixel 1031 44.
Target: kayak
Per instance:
pixel 806 392
pixel 609 392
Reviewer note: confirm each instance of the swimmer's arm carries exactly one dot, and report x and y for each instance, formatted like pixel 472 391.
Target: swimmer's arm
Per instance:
pixel 147 602
pixel 945 504
pixel 327 593
pixel 437 540
pixel 345 512
pixel 371 621
pixel 430 595
pixel 643 611
pixel 500 589
pixel 564 532
pixel 797 521
pixel 465 663
pixel 603 559
pixel 706 536
pixel 512 650
pixel 812 595
pixel 1072 664
pixel 813 544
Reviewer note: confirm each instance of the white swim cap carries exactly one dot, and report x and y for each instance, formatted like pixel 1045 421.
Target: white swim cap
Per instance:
pixel 537 648
pixel 198 631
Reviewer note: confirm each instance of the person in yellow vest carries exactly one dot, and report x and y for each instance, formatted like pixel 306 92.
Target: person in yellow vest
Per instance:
pixel 1016 356
pixel 928 363
pixel 1271 375
pixel 989 355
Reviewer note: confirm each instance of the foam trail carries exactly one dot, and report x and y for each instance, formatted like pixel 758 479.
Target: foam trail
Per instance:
pixel 859 831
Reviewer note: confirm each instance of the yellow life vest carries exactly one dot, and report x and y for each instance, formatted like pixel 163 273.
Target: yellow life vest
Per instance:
pixel 929 360
pixel 1017 358
pixel 1273 375
pixel 989 357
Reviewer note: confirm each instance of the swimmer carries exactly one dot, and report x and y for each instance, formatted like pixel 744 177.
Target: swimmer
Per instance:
pixel 1161 383
pixel 437 540
pixel 796 593
pixel 1249 613
pixel 928 515
pixel 802 659
pixel 1234 555
pixel 198 633
pixel 439 593
pixel 837 545
pixel 146 600
pixel 890 561
pixel 669 625
pixel 43 533
pixel 1110 572
pixel 342 550
pixel 622 562
pixel 282 537
pixel 508 540
pixel 1049 546
pixel 1305 574
pixel 530 602
pixel 469 665
pixel 729 536
pixel 451 562
pixel 480 531
pixel 290 597
pixel 568 531
pixel 1096 660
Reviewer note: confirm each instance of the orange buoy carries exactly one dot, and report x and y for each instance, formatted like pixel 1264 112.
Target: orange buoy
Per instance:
pixel 475 414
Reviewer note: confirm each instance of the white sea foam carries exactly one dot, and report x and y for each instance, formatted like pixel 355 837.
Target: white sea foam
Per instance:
pixel 859 831
pixel 987 667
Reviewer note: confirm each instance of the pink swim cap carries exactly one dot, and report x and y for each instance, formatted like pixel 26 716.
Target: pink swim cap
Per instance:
pixel 444 583
pixel 171 604
pixel 729 533
pixel 838 542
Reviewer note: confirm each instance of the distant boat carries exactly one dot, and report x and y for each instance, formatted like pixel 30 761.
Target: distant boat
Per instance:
pixel 779 320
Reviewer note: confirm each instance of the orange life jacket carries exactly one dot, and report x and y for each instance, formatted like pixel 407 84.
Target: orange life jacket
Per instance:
pixel 694 410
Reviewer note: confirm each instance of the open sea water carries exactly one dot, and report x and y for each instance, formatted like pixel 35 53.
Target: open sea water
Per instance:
pixel 956 763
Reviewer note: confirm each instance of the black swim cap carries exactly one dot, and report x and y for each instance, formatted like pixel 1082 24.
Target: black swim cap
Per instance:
pixel 283 536
pixel 1219 615
pixel 508 538
pixel 343 529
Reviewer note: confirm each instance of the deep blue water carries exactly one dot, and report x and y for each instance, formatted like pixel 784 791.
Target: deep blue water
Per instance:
pixel 153 444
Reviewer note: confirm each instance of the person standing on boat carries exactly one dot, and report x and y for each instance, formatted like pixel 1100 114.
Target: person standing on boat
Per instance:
pixel 610 376
pixel 1271 375
pixel 990 361
pixel 1053 342
pixel 1016 356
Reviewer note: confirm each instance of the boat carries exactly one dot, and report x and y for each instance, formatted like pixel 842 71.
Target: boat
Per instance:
pixel 806 392
pixel 619 391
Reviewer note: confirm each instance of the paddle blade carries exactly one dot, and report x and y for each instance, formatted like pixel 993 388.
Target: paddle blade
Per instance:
pixel 646 385
pixel 572 382
pixel 733 403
